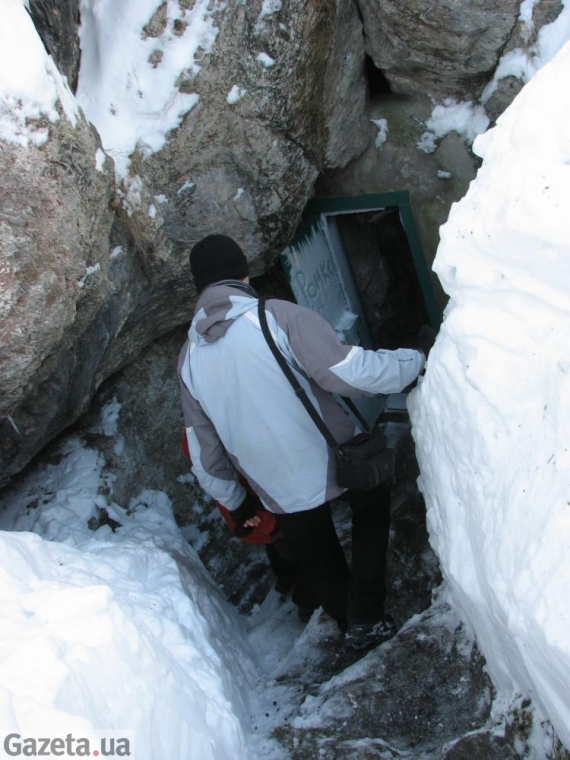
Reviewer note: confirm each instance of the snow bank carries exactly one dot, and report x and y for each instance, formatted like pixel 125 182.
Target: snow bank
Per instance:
pixel 492 416
pixel 31 87
pixel 134 56
pixel 109 621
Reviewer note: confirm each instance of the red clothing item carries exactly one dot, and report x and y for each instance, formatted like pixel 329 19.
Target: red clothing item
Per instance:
pixel 262 533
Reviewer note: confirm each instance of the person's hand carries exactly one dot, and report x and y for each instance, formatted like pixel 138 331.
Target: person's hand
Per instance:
pixel 245 516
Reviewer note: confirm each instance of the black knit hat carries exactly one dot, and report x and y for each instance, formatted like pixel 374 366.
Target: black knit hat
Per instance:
pixel 215 258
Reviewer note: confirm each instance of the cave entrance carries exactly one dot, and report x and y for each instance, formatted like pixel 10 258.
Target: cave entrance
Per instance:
pixel 358 262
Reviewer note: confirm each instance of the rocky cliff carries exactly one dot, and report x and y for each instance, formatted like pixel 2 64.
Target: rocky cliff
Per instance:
pixel 272 104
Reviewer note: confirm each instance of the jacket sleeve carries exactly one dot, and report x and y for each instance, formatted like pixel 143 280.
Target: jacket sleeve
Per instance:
pixel 338 368
pixel 210 461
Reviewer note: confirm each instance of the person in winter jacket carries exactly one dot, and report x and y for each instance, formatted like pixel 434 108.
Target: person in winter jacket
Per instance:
pixel 243 418
pixel 280 555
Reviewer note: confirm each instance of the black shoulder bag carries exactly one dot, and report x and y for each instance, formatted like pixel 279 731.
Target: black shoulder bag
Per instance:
pixel 363 462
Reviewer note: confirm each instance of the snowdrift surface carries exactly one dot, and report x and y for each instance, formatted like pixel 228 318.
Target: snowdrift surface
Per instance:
pixel 113 631
pixel 492 415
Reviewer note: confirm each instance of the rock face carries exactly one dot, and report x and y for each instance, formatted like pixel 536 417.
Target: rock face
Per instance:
pixel 248 166
pixel 398 698
pixel 110 283
pixel 524 36
pixel 95 264
pixel 54 227
pixel 451 49
pixel 57 22
pixel 445 49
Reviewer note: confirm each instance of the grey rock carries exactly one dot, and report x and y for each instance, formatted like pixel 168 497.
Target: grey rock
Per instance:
pixel 523 37
pixel 483 745
pixel 54 227
pixel 150 424
pixel 57 22
pixel 443 49
pixel 506 91
pixel 252 163
pixel 401 692
pixel 245 169
pixel 157 22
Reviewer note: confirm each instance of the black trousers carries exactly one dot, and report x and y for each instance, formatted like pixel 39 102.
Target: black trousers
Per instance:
pixel 354 595
pixel 286 568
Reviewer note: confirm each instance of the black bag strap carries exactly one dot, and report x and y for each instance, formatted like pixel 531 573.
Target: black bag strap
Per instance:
pixel 288 372
pixel 353 408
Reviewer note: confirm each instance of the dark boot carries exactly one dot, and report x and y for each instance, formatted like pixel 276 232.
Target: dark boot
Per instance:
pixel 364 636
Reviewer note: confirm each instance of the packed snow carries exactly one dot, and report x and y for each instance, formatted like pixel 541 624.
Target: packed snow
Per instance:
pixel 266 60
pixel 109 620
pixel 382 127
pixel 268 8
pixel 235 95
pixel 131 69
pixel 110 624
pixel 491 418
pixel 468 119
pixel 31 87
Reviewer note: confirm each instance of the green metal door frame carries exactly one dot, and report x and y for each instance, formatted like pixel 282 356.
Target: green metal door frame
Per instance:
pixel 375 202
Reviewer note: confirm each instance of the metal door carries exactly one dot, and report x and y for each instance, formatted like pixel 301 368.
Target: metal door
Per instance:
pixel 321 279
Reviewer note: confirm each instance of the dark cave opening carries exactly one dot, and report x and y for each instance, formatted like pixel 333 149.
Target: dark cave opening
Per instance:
pixel 381 263
pixel 377 82
pixel 357 262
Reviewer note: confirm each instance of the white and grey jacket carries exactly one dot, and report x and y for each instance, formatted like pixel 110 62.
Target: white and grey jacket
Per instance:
pixel 241 413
